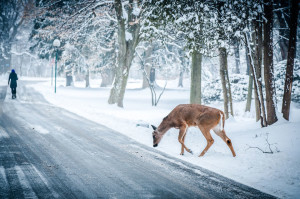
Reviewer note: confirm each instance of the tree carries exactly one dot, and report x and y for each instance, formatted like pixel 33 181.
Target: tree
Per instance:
pixel 128 39
pixel 195 21
pixel 86 29
pixel 12 15
pixel 195 92
pixel 148 63
pixel 224 37
pixel 268 62
pixel 290 61
pixel 237 56
pixel 257 84
pixel 164 16
pixel 183 66
pixel 250 85
pixel 257 58
pixel 282 7
pixel 252 32
pixel 223 74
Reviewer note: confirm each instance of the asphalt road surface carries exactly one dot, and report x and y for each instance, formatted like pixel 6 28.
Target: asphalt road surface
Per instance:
pixel 48 152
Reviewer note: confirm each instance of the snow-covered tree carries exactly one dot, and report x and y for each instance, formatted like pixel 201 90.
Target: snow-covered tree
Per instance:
pixel 86 27
pixel 13 13
pixel 290 61
pixel 128 16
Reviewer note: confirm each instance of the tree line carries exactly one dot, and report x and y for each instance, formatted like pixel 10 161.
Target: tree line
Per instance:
pixel 122 32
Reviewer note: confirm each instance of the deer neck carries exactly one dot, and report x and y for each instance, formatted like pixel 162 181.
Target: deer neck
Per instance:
pixel 163 128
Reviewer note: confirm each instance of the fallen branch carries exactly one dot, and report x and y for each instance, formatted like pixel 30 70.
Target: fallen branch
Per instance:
pixel 269 146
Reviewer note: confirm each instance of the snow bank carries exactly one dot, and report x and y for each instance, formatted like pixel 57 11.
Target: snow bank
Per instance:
pixel 276 173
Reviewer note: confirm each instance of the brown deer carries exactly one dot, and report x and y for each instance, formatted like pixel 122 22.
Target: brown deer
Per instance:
pixel 186 115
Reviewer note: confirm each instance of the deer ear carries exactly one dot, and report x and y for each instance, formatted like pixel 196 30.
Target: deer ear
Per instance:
pixel 154 127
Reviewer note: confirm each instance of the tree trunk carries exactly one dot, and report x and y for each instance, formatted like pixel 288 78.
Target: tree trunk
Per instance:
pixel 268 62
pixel 258 67
pixel 229 87
pixel 249 95
pixel 87 78
pixel 145 82
pixel 69 78
pixel 283 27
pixel 152 76
pixel 258 43
pixel 182 67
pixel 148 64
pixel 248 70
pixel 127 45
pixel 250 83
pixel 195 93
pixel 180 81
pixel 290 61
pixel 250 89
pixel 237 57
pixel 107 76
pixel 223 72
pixel 257 84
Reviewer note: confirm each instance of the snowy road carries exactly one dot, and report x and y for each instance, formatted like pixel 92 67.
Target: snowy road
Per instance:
pixel 48 152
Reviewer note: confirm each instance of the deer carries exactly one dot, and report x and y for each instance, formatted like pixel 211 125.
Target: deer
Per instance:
pixel 184 116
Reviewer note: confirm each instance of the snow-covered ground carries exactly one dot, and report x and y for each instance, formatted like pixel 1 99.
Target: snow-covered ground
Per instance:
pixel 277 174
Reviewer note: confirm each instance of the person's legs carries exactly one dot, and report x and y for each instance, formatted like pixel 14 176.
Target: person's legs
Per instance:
pixel 13 92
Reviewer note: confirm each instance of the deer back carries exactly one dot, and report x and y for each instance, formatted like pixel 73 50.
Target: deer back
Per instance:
pixel 192 115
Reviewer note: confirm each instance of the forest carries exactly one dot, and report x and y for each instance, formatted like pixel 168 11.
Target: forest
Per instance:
pixel 230 50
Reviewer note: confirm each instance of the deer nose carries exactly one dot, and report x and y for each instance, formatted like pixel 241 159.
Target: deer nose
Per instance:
pixel 155 145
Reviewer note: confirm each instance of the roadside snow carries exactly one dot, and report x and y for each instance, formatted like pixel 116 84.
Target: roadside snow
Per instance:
pixel 277 173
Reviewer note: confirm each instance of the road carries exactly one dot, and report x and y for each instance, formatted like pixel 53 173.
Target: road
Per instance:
pixel 48 152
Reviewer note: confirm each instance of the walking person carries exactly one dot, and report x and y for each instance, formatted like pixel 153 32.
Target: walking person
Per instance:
pixel 13 77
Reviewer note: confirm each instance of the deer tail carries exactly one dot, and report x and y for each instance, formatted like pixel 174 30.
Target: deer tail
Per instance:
pixel 222 119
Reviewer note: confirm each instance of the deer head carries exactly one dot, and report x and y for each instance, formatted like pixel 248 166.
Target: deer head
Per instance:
pixel 156 136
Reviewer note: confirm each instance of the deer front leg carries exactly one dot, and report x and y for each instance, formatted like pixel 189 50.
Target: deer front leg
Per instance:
pixel 229 144
pixel 224 137
pixel 181 138
pixel 209 140
pixel 182 148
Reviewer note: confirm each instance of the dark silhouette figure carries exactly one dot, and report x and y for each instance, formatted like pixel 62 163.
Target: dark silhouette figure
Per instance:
pixel 13 77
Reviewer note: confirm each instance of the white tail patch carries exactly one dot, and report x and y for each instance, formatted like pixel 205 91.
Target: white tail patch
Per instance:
pixel 219 126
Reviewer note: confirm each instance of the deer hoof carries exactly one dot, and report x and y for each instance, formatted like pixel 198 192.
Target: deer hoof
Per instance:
pixel 181 153
pixel 191 152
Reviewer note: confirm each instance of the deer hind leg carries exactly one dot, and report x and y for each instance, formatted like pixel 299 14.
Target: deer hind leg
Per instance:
pixel 224 137
pixel 181 138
